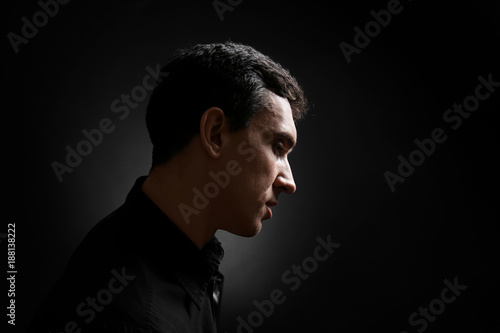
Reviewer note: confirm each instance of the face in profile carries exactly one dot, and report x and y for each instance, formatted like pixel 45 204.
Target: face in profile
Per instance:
pixel 263 173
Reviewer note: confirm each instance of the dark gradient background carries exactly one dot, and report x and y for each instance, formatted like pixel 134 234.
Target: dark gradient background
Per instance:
pixel 397 248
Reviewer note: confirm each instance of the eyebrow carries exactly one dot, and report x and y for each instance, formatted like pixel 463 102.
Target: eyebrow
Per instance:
pixel 289 141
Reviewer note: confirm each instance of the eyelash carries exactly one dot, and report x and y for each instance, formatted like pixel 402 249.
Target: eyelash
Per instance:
pixel 279 149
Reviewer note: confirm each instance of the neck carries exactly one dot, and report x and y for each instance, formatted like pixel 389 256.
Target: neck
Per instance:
pixel 169 189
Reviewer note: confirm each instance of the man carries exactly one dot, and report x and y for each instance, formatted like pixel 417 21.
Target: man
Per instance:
pixel 222 122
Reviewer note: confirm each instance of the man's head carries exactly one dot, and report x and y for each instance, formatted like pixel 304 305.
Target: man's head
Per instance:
pixel 232 111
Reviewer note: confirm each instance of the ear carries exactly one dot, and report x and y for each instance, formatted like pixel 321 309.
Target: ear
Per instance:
pixel 213 123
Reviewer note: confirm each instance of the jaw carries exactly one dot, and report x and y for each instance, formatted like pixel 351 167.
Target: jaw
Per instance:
pixel 242 224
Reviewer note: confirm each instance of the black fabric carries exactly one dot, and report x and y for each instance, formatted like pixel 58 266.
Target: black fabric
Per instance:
pixel 135 271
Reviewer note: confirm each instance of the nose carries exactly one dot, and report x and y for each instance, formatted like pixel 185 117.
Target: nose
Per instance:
pixel 284 181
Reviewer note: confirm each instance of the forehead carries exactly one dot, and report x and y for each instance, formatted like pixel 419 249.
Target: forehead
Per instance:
pixel 277 117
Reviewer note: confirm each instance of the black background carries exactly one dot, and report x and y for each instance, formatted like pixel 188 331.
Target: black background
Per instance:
pixel 396 247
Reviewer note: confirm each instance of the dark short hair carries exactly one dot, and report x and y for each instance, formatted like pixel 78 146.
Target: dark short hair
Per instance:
pixel 231 76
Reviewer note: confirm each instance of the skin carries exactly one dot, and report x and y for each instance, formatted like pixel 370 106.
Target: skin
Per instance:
pixel 255 160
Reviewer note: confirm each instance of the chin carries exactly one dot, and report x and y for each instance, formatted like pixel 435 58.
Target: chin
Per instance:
pixel 255 230
pixel 248 230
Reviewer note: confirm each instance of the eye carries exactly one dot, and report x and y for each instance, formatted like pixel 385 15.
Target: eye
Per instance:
pixel 279 148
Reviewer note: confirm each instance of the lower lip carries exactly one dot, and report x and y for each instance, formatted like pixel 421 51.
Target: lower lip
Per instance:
pixel 269 211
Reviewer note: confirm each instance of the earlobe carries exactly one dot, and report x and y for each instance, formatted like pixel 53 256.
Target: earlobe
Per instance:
pixel 212 124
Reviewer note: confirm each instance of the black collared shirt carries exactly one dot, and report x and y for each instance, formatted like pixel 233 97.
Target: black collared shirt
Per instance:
pixel 135 271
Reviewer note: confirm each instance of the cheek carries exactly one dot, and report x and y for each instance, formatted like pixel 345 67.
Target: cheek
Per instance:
pixel 260 171
pixel 251 185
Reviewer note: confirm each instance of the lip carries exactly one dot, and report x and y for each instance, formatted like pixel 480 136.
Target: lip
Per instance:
pixel 270 204
pixel 269 212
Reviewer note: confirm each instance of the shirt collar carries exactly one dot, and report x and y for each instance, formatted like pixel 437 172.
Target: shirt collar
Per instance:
pixel 173 251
